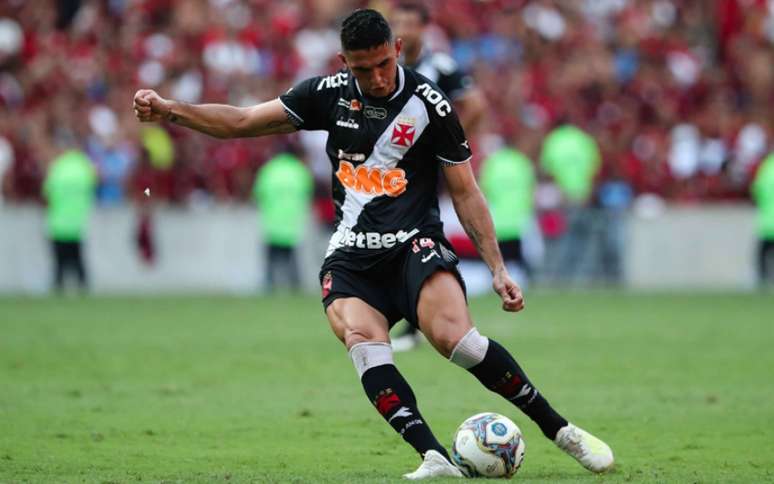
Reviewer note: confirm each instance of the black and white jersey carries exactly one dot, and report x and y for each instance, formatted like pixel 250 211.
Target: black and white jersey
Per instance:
pixel 443 70
pixel 386 154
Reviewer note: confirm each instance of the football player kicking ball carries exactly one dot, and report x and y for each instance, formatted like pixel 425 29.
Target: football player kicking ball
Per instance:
pixel 390 131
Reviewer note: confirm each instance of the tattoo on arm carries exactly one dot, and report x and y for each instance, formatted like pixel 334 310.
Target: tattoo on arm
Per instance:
pixel 172 117
pixel 473 233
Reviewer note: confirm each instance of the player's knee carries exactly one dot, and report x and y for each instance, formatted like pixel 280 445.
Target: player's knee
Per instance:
pixel 354 336
pixel 470 349
pixel 450 330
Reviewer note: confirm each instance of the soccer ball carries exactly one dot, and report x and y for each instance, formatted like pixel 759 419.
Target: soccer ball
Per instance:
pixel 488 445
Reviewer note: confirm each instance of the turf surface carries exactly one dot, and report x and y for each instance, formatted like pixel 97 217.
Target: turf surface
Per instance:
pixel 206 389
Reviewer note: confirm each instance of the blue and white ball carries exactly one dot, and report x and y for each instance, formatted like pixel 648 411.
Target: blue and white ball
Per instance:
pixel 488 445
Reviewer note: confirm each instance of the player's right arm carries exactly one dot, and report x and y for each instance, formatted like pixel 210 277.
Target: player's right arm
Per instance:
pixel 218 120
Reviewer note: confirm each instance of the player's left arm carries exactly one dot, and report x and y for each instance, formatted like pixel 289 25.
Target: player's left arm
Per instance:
pixel 473 212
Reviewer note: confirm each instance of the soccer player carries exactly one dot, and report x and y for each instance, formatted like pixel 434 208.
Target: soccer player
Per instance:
pixel 391 131
pixel 409 21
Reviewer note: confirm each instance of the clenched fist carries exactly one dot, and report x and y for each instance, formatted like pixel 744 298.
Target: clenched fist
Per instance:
pixel 149 106
pixel 508 290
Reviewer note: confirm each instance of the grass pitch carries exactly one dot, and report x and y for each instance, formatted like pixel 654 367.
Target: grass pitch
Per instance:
pixel 204 389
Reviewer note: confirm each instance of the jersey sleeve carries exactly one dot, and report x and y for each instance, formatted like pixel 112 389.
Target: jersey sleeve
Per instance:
pixel 455 84
pixel 452 80
pixel 451 145
pixel 305 105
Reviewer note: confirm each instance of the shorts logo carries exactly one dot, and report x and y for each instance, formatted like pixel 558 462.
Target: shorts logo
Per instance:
pixel 372 181
pixel 375 113
pixel 429 256
pixel 403 132
pixel 327 284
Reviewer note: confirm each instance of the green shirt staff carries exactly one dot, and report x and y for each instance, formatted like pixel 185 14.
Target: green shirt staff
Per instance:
pixel 283 191
pixel 69 189
pixel 507 179
pixel 763 193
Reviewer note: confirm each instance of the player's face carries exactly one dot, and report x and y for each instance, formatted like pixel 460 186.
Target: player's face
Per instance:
pixel 375 69
pixel 407 25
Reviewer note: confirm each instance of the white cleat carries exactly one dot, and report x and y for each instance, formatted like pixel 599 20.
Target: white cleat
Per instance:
pixel 592 453
pixel 434 465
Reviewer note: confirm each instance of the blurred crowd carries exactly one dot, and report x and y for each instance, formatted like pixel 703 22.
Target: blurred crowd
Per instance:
pixel 677 93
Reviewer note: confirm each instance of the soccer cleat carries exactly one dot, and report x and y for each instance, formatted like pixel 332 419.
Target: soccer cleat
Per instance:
pixel 592 453
pixel 406 342
pixel 434 465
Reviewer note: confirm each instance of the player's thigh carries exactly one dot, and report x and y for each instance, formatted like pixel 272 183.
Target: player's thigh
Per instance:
pixel 354 321
pixel 443 311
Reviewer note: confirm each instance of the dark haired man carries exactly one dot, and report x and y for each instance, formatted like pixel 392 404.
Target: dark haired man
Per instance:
pixel 390 132
pixel 409 22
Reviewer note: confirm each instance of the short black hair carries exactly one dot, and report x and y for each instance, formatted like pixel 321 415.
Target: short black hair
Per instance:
pixel 365 29
pixel 415 7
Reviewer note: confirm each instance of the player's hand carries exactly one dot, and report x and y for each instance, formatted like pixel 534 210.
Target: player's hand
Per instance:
pixel 508 290
pixel 149 106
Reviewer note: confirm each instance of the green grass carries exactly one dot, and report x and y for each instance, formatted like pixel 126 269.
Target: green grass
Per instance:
pixel 208 389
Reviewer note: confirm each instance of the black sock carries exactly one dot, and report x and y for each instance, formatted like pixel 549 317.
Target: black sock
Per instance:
pixel 500 373
pixel 393 398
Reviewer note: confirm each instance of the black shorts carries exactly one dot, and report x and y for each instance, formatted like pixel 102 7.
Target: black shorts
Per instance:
pixel 392 286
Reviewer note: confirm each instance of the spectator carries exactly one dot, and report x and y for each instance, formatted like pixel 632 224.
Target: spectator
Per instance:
pixel 507 180
pixel 763 193
pixel 283 190
pixel 572 158
pixel 69 189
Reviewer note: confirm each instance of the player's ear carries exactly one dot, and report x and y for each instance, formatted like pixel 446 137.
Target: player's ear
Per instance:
pixel 342 58
pixel 398 46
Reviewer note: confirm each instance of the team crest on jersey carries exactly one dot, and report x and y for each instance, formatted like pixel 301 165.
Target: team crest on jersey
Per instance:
pixel 355 105
pixel 403 132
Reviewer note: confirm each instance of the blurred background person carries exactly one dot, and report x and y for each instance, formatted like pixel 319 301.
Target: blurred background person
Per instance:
pixel 571 156
pixel 283 191
pixel 410 21
pixel 69 189
pixel 763 194
pixel 507 179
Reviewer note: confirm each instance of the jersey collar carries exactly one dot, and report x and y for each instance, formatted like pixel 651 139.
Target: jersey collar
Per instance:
pixel 401 84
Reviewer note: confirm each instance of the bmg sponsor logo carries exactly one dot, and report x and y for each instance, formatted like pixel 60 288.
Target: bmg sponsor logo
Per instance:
pixel 371 180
